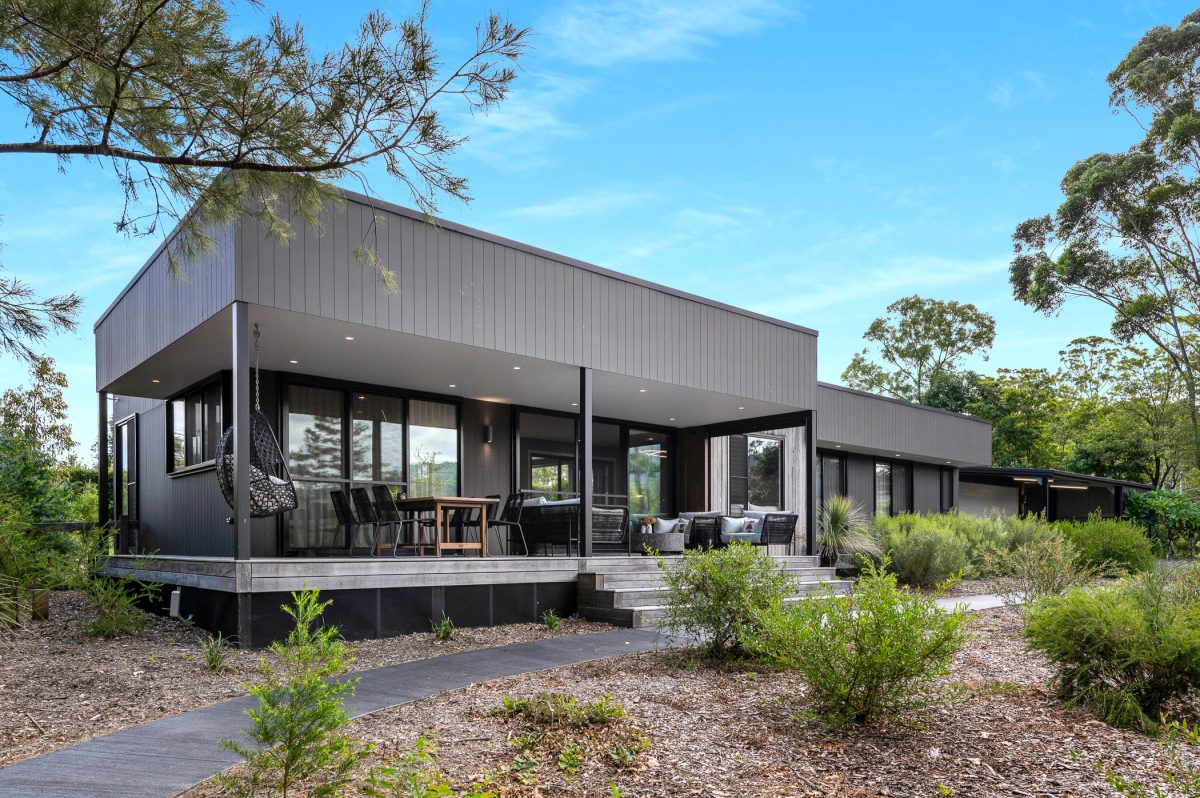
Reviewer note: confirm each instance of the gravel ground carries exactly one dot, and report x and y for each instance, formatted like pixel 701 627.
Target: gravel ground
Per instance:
pixel 729 732
pixel 59 686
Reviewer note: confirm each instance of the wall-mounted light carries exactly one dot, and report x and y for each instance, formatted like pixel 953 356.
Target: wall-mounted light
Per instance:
pixel 487 433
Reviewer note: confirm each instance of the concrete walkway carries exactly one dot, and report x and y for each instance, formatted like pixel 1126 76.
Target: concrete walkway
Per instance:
pixel 162 758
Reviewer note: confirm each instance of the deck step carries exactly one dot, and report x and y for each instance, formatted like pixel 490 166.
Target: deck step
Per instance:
pixel 630 592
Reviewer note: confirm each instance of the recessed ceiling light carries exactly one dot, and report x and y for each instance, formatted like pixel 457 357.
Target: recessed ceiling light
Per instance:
pixel 670 419
pixel 360 396
pixel 837 446
pixel 452 385
pixel 293 362
pixel 947 462
pixel 641 390
pixel 516 368
pixel 349 337
pixel 741 408
pixel 574 404
pixel 897 455
pixel 155 380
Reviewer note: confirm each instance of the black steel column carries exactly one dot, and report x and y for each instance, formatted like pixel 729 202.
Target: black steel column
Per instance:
pixel 1046 497
pixel 241 430
pixel 810 477
pixel 584 462
pixel 105 479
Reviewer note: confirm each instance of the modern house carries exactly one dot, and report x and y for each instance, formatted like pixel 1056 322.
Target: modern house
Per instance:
pixel 1059 495
pixel 493 368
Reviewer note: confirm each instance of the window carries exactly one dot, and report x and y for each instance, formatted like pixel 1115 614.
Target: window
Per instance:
pixel 831 477
pixel 125 469
pixel 433 449
pixel 947 489
pixel 647 464
pixel 883 488
pixel 196 424
pixel 550 475
pixel 338 439
pixel 755 469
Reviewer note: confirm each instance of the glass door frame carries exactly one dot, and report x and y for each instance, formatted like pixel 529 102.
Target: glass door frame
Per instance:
pixel 285 381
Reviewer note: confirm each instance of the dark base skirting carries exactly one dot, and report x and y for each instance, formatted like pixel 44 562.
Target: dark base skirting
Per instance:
pixel 373 612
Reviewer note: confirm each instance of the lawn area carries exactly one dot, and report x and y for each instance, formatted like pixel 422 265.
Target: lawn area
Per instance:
pixel 60 685
pixel 727 731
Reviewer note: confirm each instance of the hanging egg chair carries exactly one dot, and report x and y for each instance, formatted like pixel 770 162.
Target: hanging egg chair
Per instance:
pixel 271 488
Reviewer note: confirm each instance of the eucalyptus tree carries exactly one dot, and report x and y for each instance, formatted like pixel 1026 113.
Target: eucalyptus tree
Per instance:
pixel 919 341
pixel 1127 233
pixel 201 124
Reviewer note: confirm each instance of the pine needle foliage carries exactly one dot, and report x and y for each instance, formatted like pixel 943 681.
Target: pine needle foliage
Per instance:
pixel 296 743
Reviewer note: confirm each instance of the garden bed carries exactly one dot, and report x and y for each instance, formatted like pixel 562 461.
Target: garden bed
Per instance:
pixel 59 685
pixel 734 732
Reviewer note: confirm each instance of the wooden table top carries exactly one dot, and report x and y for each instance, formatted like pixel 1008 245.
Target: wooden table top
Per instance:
pixel 429 502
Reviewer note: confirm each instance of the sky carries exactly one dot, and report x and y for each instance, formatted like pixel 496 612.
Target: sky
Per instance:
pixel 813 162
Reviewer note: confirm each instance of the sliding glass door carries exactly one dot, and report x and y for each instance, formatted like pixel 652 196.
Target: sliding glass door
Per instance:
pixel 338 439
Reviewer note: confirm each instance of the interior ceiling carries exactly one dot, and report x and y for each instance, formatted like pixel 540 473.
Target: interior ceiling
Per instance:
pixel 385 357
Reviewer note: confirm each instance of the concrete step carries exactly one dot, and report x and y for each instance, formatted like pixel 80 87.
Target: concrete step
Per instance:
pixel 617 580
pixel 632 598
pixel 644 563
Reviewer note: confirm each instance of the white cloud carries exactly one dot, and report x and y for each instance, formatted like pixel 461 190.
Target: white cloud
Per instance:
pixel 627 31
pixel 897 277
pixel 591 203
pixel 1029 85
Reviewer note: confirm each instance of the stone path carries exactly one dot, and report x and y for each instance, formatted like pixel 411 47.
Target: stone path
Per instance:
pixel 163 758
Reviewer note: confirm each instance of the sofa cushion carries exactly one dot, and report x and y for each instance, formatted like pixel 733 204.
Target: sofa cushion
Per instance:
pixel 536 501
pixel 731 526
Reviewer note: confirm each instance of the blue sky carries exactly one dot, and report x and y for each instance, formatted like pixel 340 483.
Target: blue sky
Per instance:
pixel 811 162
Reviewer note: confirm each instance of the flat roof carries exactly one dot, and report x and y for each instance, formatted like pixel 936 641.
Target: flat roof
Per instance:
pixel 1003 471
pixel 372 202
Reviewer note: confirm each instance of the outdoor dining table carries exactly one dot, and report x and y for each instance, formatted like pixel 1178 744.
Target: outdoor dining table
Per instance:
pixel 441 507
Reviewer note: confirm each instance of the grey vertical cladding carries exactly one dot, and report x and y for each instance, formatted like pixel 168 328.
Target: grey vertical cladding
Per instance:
pixel 888 426
pixel 459 285
pixel 183 515
pixel 486 467
pixel 158 307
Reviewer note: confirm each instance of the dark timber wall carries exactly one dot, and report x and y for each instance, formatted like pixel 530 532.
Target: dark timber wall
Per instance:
pixel 860 483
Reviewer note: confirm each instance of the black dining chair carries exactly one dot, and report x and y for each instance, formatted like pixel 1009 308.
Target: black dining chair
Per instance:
pixel 510 519
pixel 367 517
pixel 346 519
pixel 389 514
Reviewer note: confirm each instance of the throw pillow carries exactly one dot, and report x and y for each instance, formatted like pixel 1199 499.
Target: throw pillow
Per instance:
pixel 662 525
pixel 732 525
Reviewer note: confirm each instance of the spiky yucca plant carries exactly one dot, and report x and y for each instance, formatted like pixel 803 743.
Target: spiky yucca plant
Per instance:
pixel 844 530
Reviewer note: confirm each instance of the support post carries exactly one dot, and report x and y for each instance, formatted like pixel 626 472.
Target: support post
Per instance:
pixel 584 461
pixel 810 477
pixel 1046 497
pixel 105 479
pixel 241 430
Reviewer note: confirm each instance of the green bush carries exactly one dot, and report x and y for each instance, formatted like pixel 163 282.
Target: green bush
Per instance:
pixel 714 595
pixel 878 653
pixel 1110 543
pixel 1124 650
pixel 1048 565
pixel 297 730
pixel 843 530
pixel 1171 520
pixel 922 550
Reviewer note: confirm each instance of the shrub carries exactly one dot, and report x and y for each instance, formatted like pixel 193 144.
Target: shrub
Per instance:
pixel 116 601
pixel 296 731
pixel 1171 520
pixel 844 530
pixel 922 551
pixel 875 654
pixel 714 595
pixel 1110 543
pixel 1047 566
pixel 416 775
pixel 551 619
pixel 560 709
pixel 1125 650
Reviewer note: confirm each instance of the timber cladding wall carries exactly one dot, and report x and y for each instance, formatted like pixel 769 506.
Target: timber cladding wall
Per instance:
pixel 465 286
pixel 887 426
